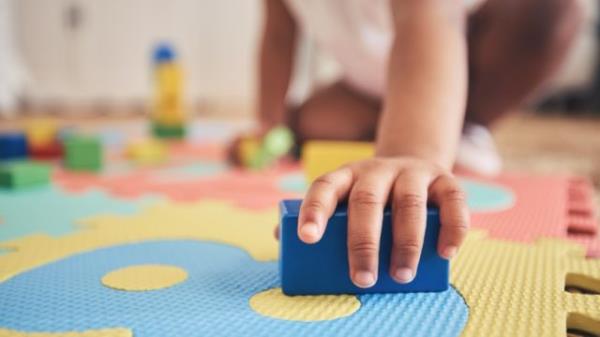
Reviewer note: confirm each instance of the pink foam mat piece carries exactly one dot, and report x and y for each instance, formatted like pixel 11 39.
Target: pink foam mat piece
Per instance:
pixel 545 206
pixel 245 188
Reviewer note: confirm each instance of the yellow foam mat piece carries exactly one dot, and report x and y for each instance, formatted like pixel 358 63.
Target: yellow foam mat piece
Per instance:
pixel 515 289
pixel 320 157
pixel 511 289
pixel 205 220
pixel 117 332
pixel 144 277
pixel 273 303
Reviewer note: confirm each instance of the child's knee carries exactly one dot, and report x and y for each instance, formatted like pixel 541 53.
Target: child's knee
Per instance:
pixel 550 25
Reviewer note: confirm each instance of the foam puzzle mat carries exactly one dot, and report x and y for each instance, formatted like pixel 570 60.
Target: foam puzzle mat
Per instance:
pixel 186 248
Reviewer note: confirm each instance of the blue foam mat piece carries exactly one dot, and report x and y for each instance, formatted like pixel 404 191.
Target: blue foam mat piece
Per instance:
pixel 322 268
pixel 67 295
pixel 52 211
pixel 485 196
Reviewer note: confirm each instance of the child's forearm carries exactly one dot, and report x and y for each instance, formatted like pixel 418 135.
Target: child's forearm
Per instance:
pixel 427 85
pixel 276 61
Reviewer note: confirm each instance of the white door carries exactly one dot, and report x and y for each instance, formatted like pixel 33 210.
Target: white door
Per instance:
pixel 83 51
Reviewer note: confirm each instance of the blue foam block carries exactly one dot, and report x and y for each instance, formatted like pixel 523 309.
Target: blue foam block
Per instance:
pixel 322 268
pixel 13 145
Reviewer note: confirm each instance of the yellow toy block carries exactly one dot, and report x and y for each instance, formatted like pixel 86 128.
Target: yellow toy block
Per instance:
pixel 41 132
pixel 248 150
pixel 168 106
pixel 320 157
pixel 147 152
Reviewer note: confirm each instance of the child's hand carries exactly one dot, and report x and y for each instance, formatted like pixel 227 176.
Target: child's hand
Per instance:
pixel 407 183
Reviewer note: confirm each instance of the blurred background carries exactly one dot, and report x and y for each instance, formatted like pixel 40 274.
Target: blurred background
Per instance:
pixel 90 61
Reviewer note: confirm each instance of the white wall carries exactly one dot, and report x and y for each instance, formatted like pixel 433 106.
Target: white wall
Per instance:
pixel 106 57
pixel 12 73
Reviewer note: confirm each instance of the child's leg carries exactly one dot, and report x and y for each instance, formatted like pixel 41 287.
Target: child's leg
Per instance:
pixel 514 46
pixel 336 112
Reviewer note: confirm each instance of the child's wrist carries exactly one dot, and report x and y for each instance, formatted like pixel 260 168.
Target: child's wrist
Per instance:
pixel 431 157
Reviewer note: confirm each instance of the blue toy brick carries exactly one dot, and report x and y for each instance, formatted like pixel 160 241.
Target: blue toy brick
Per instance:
pixel 13 145
pixel 322 268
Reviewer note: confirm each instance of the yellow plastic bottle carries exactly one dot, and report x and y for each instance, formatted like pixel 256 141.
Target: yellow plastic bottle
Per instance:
pixel 168 115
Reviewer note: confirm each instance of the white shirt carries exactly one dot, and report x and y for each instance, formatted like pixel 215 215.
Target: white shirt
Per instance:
pixel 357 33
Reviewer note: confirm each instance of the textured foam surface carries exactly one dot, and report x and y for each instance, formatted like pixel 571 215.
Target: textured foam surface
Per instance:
pixel 516 289
pixel 214 301
pixel 145 277
pixel 547 206
pixel 511 288
pixel 275 304
pixel 51 211
pixel 117 332
pixel 203 221
pixel 502 282
pixel 193 173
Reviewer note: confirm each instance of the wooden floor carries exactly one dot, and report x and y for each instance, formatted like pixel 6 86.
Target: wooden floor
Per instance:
pixel 551 145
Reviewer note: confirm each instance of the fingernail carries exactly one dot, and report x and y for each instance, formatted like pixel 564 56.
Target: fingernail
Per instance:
pixel 310 231
pixel 364 279
pixel 404 275
pixel 450 252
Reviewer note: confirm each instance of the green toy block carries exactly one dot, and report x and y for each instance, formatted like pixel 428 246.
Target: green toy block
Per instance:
pixel 168 131
pixel 22 174
pixel 276 143
pixel 83 153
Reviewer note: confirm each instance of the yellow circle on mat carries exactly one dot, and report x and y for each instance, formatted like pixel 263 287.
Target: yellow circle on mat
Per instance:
pixel 275 304
pixel 144 277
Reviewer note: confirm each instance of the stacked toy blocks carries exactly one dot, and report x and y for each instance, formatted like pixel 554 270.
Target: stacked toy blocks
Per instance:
pixel 322 268
pixel 83 153
pixel 24 174
pixel 13 145
pixel 42 139
pixel 168 118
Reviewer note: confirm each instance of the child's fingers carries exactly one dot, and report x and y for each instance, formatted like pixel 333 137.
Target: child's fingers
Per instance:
pixel 365 214
pixel 454 214
pixel 320 203
pixel 409 211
